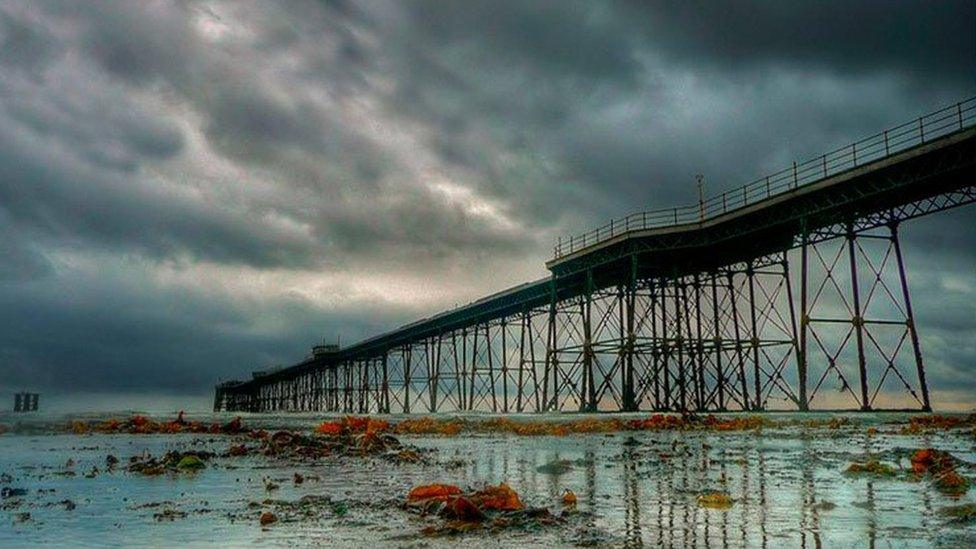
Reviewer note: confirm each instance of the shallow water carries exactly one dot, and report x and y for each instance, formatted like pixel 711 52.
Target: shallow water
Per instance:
pixel 788 486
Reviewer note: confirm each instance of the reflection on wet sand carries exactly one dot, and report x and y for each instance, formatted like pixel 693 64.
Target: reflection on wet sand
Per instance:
pixel 779 487
pixel 787 492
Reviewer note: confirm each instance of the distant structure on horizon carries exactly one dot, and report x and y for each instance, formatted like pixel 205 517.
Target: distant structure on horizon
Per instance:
pixel 26 402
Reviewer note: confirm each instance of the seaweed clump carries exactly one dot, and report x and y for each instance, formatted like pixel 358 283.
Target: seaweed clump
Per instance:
pixel 142 425
pixel 351 436
pixel 171 462
pixel 491 508
pixel 871 467
pixel 715 500
pixel 940 467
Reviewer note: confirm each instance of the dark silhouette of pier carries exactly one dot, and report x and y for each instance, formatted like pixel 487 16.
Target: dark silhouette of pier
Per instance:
pixel 789 293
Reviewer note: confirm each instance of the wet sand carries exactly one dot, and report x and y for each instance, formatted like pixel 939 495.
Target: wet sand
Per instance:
pixel 787 485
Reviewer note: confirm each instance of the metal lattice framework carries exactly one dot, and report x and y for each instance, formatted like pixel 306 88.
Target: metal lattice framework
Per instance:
pixel 707 312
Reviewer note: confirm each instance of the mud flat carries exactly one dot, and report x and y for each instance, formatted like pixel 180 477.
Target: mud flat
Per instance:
pixel 735 480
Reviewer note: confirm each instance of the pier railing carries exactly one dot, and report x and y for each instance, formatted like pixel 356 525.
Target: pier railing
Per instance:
pixel 876 147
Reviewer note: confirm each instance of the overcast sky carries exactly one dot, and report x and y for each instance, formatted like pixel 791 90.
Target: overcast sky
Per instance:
pixel 192 190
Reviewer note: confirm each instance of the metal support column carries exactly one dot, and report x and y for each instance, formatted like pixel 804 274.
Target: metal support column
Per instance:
pixel 858 321
pixel 910 320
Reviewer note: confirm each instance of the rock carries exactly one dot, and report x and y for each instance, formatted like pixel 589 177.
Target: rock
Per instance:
pixel 235 426
pixel 268 518
pixel 340 508
pixel 169 514
pixel 12 492
pixel 406 456
pixel 190 463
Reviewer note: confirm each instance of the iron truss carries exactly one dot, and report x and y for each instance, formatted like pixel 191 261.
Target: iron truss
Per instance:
pixel 711 317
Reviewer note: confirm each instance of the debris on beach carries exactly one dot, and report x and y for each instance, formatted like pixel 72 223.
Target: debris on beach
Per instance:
pixel 497 498
pixel 237 450
pixel 930 460
pixel 142 425
pixel 171 462
pixel 870 467
pixel 350 436
pixel 940 467
pixel 311 507
pixel 432 492
pixel 525 427
pixel 351 425
pixel 492 507
pixel 936 422
pixel 965 513
pixel 428 426
pixel 6 492
pixel 169 515
pixel 190 462
pixel 569 498
pixel 952 483
pixel 715 500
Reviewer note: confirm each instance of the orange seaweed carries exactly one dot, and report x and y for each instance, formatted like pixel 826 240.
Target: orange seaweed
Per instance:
pixel 498 498
pixel 569 498
pixel 428 426
pixel 952 483
pixel 463 509
pixel 433 492
pixel 332 428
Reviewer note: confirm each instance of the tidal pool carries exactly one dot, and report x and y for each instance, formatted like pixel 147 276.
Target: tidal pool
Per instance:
pixel 787 485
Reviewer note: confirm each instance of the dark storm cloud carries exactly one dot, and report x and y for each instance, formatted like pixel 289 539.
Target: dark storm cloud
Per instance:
pixel 24 45
pixel 270 145
pixel 912 38
pixel 107 333
pixel 614 92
